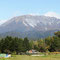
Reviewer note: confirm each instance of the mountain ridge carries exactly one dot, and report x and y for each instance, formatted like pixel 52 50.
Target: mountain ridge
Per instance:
pixel 28 25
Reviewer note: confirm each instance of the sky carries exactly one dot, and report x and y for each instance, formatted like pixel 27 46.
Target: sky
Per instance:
pixel 11 8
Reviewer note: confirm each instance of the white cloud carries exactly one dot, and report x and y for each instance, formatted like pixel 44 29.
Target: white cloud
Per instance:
pixel 52 14
pixel 2 21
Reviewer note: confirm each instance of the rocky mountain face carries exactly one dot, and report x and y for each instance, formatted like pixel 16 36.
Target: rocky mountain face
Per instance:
pixel 31 26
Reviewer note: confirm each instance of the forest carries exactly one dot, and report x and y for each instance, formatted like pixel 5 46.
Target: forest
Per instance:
pixel 18 45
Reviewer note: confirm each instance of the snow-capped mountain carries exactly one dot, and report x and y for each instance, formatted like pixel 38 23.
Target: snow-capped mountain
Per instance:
pixel 30 26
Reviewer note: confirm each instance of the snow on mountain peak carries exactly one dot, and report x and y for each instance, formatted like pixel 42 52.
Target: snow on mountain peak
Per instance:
pixel 25 23
pixel 32 21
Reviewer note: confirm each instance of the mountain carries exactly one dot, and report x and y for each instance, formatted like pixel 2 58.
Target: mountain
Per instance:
pixel 31 26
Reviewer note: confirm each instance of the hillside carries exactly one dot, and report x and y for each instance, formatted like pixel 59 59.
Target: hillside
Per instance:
pixel 31 26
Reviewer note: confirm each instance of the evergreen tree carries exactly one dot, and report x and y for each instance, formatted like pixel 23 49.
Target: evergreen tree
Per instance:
pixel 26 44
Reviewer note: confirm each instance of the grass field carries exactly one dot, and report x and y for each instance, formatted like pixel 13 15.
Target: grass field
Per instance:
pixel 25 57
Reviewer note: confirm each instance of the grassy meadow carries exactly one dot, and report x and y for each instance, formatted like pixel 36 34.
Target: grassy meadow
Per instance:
pixel 27 57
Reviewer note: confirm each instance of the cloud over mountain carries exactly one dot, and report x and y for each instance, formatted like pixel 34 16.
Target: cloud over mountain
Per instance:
pixel 2 21
pixel 52 14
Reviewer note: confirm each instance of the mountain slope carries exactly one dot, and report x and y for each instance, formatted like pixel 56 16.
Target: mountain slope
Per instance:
pixel 30 26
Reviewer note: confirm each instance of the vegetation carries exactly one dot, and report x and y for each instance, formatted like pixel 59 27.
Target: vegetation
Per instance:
pixel 25 57
pixel 18 45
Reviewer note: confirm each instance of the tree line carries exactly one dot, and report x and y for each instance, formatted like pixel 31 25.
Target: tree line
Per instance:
pixel 17 45
pixel 10 45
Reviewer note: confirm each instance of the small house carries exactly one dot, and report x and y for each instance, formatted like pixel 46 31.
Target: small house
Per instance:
pixel 32 51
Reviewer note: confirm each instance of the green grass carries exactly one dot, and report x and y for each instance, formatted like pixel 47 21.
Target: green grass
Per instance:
pixel 25 57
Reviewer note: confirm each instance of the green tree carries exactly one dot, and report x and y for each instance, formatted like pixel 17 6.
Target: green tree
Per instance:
pixel 57 33
pixel 41 45
pixel 26 44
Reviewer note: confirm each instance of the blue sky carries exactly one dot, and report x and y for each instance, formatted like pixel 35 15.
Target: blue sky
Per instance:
pixel 11 8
